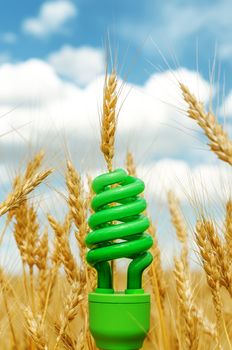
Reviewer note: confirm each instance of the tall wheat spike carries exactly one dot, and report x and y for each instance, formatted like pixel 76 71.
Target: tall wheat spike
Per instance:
pixel 219 141
pixel 42 250
pixel 185 299
pixel 36 329
pixel 228 231
pixel 179 225
pixel 130 164
pixel 77 205
pixel 19 194
pixel 70 265
pixel 109 116
pixel 211 269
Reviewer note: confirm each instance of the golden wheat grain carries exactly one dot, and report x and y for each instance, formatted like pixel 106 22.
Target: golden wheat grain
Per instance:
pixel 185 299
pixel 219 143
pixel 228 231
pixel 26 235
pixel 207 326
pixel 70 310
pixel 211 269
pixel 108 122
pixel 32 237
pixel 130 164
pixel 68 260
pixel 179 225
pixel 34 165
pixel 90 194
pixel 35 329
pixel 20 193
pixel 177 217
pixel 20 228
pixel 30 171
pixel 77 205
pixel 41 262
pixel 67 341
pixel 223 264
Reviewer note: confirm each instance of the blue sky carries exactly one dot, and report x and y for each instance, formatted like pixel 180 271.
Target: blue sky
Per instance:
pixel 175 26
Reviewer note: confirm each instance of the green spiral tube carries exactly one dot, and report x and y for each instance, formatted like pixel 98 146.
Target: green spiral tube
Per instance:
pixel 118 230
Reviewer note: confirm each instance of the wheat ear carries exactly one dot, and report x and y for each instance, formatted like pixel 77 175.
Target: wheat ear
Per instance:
pixel 130 164
pixel 77 205
pixel 108 122
pixel 228 230
pixel 70 311
pixel 68 260
pixel 21 191
pixel 179 225
pixel 35 329
pixel 68 341
pixel 223 263
pixel 41 263
pixel 219 141
pixel 33 165
pixel 185 300
pixel 211 269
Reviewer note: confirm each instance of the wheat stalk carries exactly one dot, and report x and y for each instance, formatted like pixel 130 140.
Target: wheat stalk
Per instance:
pixel 157 266
pixel 4 289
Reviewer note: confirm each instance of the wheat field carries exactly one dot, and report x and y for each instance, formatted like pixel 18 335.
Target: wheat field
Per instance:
pixel 45 306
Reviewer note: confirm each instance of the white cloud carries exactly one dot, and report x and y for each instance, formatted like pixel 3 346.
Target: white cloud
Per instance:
pixel 52 17
pixel 53 109
pixel 80 65
pixel 165 85
pixel 28 82
pixel 192 184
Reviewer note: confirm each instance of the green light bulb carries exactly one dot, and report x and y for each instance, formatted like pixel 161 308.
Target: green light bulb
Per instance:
pixel 119 320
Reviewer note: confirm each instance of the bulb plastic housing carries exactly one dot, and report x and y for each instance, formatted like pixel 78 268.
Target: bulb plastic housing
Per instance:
pixel 119 321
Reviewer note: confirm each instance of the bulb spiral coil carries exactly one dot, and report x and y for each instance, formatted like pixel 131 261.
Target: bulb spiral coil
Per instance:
pixel 118 228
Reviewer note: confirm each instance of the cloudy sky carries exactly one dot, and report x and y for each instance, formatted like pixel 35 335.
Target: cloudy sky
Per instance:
pixel 52 62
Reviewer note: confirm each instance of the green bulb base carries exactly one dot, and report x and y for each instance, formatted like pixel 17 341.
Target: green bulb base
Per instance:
pixel 119 321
